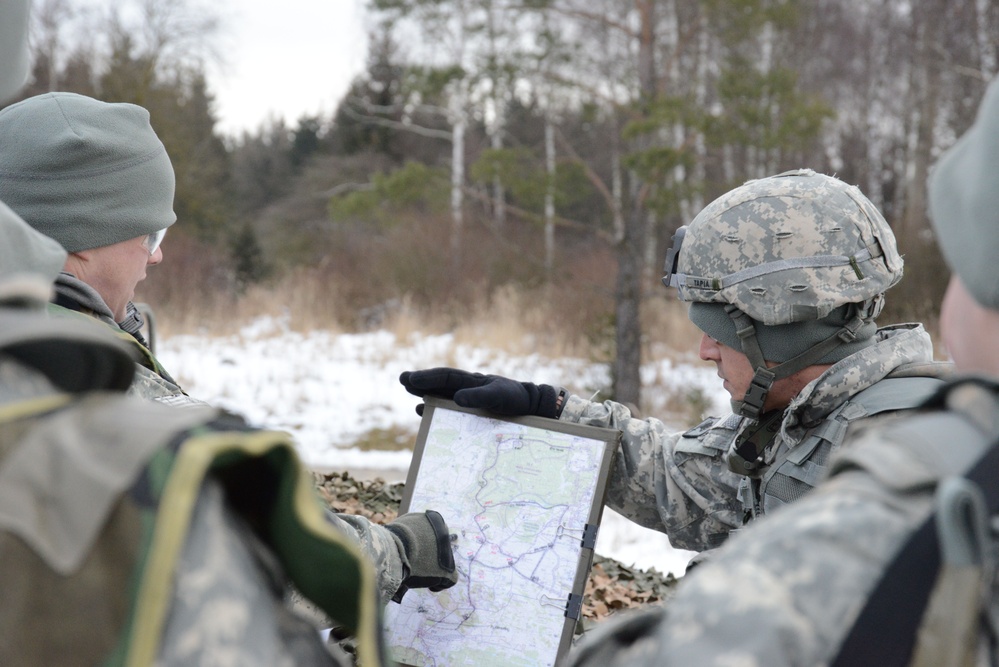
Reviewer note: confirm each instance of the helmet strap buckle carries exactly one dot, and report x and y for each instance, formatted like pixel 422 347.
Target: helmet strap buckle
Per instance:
pixel 756 394
pixel 745 456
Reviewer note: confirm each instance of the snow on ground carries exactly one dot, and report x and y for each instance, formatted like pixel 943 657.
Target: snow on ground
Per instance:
pixel 329 389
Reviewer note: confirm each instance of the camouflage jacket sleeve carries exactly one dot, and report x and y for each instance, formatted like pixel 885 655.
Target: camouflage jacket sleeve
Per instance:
pixel 379 546
pixel 151 386
pixel 676 483
pixel 787 590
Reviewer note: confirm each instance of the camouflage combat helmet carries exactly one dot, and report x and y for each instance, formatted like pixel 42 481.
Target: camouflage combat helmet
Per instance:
pixel 788 249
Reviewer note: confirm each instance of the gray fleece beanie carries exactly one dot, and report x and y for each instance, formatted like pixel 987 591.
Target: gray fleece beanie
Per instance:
pixel 84 172
pixel 780 342
pixel 964 203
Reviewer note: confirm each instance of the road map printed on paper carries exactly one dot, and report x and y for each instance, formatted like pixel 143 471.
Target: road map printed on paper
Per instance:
pixel 518 498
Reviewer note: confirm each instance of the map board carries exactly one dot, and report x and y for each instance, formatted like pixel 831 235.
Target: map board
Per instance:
pixel 522 498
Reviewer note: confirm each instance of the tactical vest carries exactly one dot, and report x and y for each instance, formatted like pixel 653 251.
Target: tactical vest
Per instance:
pixel 796 470
pixel 96 496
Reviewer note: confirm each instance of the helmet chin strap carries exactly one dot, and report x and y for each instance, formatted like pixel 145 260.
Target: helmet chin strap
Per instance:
pixel 752 403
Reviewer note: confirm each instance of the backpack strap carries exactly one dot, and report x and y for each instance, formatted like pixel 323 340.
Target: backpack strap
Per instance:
pixel 948 632
pixel 885 631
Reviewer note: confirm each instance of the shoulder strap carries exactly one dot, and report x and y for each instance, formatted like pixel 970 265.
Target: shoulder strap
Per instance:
pixel 885 631
pixel 897 393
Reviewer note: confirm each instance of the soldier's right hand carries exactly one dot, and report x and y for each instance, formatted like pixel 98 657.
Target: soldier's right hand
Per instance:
pixel 493 393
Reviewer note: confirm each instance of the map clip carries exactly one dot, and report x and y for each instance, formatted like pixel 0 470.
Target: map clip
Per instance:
pixel 574 606
pixel 590 536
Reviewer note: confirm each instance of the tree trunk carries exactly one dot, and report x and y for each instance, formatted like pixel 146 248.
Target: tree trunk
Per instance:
pixel 628 293
pixel 986 47
pixel 617 187
pixel 550 197
pixel 459 121
pixel 927 95
pixel 627 298
pixel 496 133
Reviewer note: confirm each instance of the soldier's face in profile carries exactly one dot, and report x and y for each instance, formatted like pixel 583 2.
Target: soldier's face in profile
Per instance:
pixel 733 365
pixel 115 270
pixel 736 372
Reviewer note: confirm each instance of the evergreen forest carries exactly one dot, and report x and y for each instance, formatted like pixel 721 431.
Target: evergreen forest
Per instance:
pixel 549 147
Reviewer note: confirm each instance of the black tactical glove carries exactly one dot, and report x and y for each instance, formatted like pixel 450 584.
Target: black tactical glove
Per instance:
pixel 426 542
pixel 496 394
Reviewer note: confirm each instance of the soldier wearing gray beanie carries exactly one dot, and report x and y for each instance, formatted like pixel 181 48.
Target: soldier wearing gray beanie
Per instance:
pixel 95 177
pixel 84 172
pixel 75 534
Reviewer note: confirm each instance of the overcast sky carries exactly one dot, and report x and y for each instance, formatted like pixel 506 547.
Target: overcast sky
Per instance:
pixel 286 58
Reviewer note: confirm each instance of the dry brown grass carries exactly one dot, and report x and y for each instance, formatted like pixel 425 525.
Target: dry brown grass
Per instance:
pixel 510 318
pixel 495 297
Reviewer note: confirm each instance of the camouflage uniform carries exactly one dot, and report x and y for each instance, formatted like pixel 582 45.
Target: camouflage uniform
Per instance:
pixel 905 525
pixel 788 590
pixel 790 270
pixel 681 483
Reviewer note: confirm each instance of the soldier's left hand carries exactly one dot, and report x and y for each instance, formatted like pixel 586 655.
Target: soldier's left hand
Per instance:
pixel 426 543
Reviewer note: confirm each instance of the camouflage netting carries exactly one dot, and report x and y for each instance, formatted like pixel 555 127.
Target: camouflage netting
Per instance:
pixel 612 586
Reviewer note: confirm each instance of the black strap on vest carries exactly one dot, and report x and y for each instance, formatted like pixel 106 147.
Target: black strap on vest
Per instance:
pixel 885 632
pixel 752 442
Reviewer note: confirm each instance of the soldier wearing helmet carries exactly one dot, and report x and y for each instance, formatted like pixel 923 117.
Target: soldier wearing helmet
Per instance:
pixel 785 276
pixel 892 559
pixel 789 269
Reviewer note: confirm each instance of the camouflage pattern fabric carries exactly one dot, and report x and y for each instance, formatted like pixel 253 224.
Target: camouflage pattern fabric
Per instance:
pixel 788 248
pixel 379 546
pixel 787 590
pixel 152 386
pixel 227 606
pixel 680 483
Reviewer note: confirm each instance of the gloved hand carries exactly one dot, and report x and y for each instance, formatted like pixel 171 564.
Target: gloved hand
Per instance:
pixel 426 543
pixel 496 394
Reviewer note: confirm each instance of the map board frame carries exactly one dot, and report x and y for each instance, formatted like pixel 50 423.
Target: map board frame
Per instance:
pixel 570 599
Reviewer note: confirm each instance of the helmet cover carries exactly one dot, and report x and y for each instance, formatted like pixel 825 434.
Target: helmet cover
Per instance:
pixel 787 248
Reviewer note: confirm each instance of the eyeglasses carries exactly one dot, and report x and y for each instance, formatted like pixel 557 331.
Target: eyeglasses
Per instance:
pixel 153 241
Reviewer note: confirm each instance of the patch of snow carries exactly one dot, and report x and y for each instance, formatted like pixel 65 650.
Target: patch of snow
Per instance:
pixel 328 390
